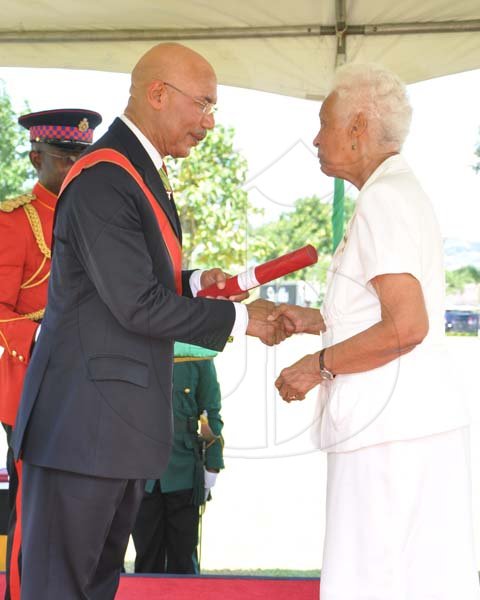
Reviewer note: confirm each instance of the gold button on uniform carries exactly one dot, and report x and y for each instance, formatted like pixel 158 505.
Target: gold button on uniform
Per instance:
pixel 20 358
pixel 14 353
pixel 187 390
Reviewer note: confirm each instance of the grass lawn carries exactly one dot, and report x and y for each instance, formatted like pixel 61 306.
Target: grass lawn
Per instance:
pixel 250 573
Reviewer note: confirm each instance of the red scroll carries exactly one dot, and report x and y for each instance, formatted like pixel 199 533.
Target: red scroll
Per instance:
pixel 273 269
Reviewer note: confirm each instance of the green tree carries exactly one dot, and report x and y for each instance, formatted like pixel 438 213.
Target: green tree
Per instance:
pixel 459 278
pixel 309 223
pixel 212 204
pixel 16 170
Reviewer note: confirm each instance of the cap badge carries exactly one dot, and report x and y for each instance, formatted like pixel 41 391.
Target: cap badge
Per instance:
pixel 83 125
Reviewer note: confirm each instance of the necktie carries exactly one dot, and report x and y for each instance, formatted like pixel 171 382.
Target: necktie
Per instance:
pixel 162 171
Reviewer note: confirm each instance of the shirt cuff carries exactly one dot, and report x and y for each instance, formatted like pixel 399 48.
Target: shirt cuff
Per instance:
pixel 241 319
pixel 195 285
pixel 241 313
pixel 37 333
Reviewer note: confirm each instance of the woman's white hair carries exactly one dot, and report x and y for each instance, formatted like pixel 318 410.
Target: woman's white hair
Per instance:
pixel 381 96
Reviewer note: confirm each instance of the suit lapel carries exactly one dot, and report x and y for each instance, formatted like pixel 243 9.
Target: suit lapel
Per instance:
pixel 136 153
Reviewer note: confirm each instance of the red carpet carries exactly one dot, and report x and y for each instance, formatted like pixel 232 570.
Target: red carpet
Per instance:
pixel 133 587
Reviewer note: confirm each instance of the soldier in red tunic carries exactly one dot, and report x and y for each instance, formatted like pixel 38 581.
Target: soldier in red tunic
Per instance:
pixel 57 137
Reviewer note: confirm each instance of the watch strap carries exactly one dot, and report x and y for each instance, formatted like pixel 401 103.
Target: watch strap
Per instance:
pixel 326 373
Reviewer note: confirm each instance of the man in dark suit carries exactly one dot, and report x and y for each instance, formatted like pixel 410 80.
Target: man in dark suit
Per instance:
pixel 95 418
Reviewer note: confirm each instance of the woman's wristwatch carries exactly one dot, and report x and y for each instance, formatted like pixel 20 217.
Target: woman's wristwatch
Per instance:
pixel 324 372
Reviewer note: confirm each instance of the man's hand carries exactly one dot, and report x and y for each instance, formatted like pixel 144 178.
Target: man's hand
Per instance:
pixel 303 319
pixel 298 379
pixel 218 277
pixel 269 332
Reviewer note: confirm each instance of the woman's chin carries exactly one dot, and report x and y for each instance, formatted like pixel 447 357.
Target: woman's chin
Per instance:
pixel 327 169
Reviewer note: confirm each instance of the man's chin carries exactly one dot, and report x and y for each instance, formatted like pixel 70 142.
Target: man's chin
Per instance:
pixel 181 152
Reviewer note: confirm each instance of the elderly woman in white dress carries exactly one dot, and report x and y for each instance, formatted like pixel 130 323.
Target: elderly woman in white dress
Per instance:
pixel 390 415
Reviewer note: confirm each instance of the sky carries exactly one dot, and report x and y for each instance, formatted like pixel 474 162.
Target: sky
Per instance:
pixel 275 134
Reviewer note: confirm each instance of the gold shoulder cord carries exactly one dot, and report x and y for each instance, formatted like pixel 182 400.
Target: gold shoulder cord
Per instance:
pixel 36 226
pixel 35 223
pixel 11 204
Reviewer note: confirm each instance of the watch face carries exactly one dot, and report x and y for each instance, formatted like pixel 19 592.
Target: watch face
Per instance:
pixel 325 373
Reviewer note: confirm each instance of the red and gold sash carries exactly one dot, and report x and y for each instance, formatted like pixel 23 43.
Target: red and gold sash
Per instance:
pixel 112 156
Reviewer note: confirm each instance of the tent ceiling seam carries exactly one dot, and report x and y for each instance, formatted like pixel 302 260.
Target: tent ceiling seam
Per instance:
pixel 294 31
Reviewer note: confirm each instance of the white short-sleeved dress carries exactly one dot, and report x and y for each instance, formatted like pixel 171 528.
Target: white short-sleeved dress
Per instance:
pixel 399 524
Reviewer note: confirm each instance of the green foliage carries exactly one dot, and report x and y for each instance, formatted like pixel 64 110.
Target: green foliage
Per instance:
pixel 309 223
pixel 16 169
pixel 458 279
pixel 212 204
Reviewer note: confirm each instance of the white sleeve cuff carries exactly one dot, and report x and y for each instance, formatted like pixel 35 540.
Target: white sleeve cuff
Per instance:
pixel 210 478
pixel 195 285
pixel 37 333
pixel 241 319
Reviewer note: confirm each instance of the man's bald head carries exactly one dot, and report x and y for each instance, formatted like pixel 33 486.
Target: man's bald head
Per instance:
pixel 171 91
pixel 165 62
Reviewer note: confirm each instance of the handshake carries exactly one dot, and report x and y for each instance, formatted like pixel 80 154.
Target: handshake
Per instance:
pixel 272 324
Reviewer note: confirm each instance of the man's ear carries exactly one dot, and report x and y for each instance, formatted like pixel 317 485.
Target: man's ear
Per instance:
pixel 36 159
pixel 156 94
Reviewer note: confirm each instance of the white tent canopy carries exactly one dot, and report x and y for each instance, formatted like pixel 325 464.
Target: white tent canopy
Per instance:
pixel 284 46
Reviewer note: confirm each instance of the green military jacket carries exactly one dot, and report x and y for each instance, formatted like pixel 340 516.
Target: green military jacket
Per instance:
pixel 195 390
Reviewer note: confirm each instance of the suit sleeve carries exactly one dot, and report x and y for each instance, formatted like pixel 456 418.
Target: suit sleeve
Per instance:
pixel 209 398
pixel 186 283
pixel 102 212
pixel 16 332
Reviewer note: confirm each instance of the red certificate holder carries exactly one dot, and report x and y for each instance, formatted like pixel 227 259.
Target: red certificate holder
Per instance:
pixel 273 269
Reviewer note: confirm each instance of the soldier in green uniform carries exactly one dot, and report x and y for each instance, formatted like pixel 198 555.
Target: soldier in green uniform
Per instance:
pixel 166 530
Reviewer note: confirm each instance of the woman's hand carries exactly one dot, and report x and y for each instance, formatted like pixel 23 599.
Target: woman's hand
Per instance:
pixel 305 320
pixel 298 379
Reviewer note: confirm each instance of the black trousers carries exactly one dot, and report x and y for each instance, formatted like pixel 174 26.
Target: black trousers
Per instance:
pixel 166 533
pixel 75 533
pixel 12 515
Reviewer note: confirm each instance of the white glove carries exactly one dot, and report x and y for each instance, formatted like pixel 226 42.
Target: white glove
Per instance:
pixel 210 480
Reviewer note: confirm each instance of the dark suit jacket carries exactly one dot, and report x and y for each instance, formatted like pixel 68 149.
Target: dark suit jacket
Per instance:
pixel 97 396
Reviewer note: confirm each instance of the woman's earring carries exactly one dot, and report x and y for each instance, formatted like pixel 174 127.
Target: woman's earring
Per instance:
pixel 354 146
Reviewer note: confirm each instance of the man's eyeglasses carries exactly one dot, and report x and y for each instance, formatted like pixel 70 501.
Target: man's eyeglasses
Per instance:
pixel 66 158
pixel 208 108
